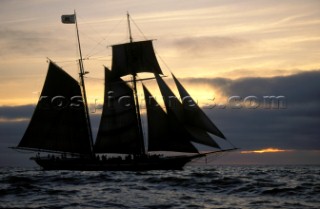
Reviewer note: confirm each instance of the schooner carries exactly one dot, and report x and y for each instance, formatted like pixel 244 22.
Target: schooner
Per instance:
pixel 66 132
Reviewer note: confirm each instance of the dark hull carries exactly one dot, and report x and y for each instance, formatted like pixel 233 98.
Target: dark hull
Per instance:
pixel 143 164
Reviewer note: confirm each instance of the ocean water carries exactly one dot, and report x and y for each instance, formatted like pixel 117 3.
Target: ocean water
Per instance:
pixel 194 187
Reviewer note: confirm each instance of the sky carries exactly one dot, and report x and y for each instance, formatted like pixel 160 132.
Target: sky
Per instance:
pixel 243 50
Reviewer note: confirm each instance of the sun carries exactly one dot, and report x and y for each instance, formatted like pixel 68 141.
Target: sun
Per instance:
pixel 266 150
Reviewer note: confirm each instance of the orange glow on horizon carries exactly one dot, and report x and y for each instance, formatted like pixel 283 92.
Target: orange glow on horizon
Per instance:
pixel 266 150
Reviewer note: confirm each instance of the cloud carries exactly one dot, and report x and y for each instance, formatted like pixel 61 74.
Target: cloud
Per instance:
pixel 301 88
pixel 292 127
pixel 242 73
pixel 15 112
pixel 295 127
pixel 207 44
pixel 24 42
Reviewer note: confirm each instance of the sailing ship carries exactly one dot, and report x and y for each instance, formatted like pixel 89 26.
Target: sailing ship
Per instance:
pixel 61 126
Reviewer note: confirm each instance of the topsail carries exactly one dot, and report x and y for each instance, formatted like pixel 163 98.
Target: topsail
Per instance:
pixel 133 58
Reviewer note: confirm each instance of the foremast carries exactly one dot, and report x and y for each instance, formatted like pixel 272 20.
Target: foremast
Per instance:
pixel 83 87
pixel 134 81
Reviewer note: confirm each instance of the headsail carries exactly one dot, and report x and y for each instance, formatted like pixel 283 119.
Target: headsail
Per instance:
pixel 164 133
pixel 134 57
pixel 193 113
pixel 118 130
pixel 175 110
pixel 58 122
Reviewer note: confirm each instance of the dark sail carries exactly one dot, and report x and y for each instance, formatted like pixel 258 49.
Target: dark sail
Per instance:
pixel 134 57
pixel 118 130
pixel 193 114
pixel 58 122
pixel 164 133
pixel 175 110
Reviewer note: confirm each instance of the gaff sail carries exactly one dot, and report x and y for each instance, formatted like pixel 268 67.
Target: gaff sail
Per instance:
pixel 118 130
pixel 59 121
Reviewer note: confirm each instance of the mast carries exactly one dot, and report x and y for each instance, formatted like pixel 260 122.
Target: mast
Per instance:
pixel 134 80
pixel 129 27
pixel 83 88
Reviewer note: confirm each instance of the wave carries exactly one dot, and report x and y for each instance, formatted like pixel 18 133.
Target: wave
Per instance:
pixel 193 187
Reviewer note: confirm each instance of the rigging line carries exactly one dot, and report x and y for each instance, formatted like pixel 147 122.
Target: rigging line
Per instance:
pixel 66 61
pixel 103 39
pixel 92 39
pixel 138 29
pixel 68 65
pixel 98 59
pixel 222 154
pixel 114 82
pixel 215 157
pixel 231 144
pixel 162 60
pixel 97 52
pixel 90 25
pixel 97 43
pixel 102 56
pixel 24 151
pixel 94 78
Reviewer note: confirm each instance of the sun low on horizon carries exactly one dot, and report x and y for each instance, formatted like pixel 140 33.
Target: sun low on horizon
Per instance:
pixel 266 150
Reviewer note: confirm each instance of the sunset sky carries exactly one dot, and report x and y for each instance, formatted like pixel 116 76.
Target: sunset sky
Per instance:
pixel 218 49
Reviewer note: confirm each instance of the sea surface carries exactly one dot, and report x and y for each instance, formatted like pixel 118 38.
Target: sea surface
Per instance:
pixel 194 187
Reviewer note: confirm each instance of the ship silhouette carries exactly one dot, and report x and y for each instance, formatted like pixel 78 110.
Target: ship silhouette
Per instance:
pixel 63 130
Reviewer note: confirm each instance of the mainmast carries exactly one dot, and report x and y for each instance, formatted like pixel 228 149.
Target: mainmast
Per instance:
pixel 134 80
pixel 83 88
